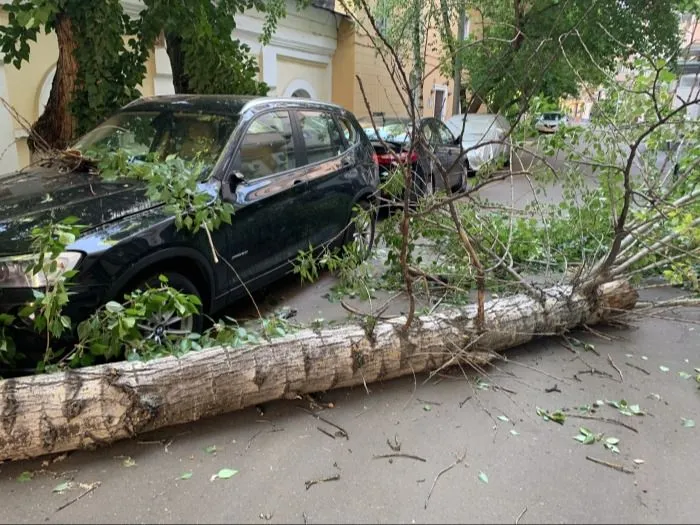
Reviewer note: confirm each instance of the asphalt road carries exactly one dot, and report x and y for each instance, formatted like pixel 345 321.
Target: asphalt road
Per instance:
pixel 541 469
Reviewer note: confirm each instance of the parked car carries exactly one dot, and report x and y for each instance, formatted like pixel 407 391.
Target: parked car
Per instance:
pixel 550 122
pixel 485 129
pixel 392 145
pixel 293 169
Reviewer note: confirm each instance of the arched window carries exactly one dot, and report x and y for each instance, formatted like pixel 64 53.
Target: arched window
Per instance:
pixel 301 93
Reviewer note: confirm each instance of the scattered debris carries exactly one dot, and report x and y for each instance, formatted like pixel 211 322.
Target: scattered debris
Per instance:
pixel 664 368
pixel 62 487
pixel 325 432
pixel 611 465
pixel 450 467
pixel 305 518
pixel 684 375
pixel 395 446
pixel 483 477
pixel 25 476
pixel 688 423
pixel 557 416
pixel 343 432
pixel 611 444
pixel 409 456
pixel 638 461
pixel 514 432
pixel 311 483
pixel 503 418
pixel 428 402
pixel 586 437
pixel 612 363
pixel 186 475
pixel 427 408
pixel 605 420
pixel 224 473
pixel 211 449
pixel 517 520
pixel 554 388
pixel 625 408
pixel 638 368
pixel 266 516
pixel 88 488
pixel 462 403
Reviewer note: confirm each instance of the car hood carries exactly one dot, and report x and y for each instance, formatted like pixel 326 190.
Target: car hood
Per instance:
pixel 35 197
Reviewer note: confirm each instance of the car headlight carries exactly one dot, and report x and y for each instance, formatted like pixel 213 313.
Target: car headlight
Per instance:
pixel 14 271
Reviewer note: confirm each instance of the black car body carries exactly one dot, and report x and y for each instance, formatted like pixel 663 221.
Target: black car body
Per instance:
pixel 292 168
pixel 392 145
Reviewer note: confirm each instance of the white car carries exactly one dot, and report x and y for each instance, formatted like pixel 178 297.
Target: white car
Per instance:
pixel 550 122
pixel 489 130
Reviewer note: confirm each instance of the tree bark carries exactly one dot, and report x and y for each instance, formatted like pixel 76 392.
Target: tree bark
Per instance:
pixel 56 125
pixel 181 81
pixel 101 404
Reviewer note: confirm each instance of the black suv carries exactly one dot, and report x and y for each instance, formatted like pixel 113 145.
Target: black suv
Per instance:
pixel 294 170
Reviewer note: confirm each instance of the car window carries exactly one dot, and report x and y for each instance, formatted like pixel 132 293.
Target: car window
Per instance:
pixel 446 137
pixel 321 135
pixel 268 146
pixel 349 131
pixel 429 133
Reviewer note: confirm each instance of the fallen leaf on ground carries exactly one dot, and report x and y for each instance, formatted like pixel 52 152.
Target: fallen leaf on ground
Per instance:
pixel 129 462
pixel 688 423
pixel 25 476
pixel 211 449
pixel 186 475
pixel 638 461
pixel 504 419
pixel 427 408
pixel 483 477
pixel 224 473
pixel 62 487
pixel 514 432
pixel 664 368
pixel 684 375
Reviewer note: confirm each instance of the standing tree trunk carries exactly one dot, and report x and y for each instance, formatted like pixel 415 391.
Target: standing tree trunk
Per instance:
pixel 101 404
pixel 181 81
pixel 56 125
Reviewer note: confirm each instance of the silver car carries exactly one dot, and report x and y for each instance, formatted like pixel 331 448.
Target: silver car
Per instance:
pixel 550 122
pixel 485 137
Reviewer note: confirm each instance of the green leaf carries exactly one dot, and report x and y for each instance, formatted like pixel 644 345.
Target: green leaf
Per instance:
pixel 503 418
pixel 612 440
pixel 62 487
pixel 225 473
pixel 114 307
pixel 664 368
pixel 483 477
pixel 688 423
pixel 128 462
pixel 186 475
pixel 427 408
pixel 25 476
pixel 684 375
pixel 514 432
pixel 211 449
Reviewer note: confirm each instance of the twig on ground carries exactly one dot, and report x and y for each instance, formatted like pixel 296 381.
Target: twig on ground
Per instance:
pixel 638 368
pixel 325 432
pixel 453 465
pixel 305 518
pixel 395 446
pixel 604 420
pixel 409 456
pixel 611 465
pixel 88 490
pixel 464 402
pixel 344 432
pixel 311 483
pixel 415 385
pixel 554 388
pixel 517 520
pixel 428 402
pixel 503 389
pixel 612 363
pixel 599 334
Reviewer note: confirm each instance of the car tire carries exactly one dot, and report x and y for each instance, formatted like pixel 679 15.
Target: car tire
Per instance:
pixel 176 280
pixel 366 236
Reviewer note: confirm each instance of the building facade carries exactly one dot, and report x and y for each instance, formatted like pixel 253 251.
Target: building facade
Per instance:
pixel 316 52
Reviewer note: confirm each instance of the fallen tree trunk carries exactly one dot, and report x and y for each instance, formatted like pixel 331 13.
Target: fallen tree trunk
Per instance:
pixel 101 404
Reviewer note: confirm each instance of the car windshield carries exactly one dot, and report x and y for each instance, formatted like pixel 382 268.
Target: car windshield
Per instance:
pixel 391 130
pixel 155 135
pixel 552 116
pixel 475 127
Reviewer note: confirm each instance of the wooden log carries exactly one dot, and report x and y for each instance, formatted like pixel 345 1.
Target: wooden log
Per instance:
pixel 100 404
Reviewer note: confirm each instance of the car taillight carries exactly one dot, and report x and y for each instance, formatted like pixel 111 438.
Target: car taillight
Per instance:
pixel 386 159
pixel 375 158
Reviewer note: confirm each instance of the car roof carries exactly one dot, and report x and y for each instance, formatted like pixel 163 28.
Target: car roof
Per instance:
pixel 222 104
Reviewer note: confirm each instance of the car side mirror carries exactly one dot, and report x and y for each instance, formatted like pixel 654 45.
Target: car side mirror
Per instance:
pixel 236 178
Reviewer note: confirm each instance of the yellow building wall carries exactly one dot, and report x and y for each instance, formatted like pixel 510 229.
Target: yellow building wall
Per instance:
pixel 289 69
pixel 343 82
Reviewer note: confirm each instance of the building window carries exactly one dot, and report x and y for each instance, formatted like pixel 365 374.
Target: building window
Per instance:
pixel 301 93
